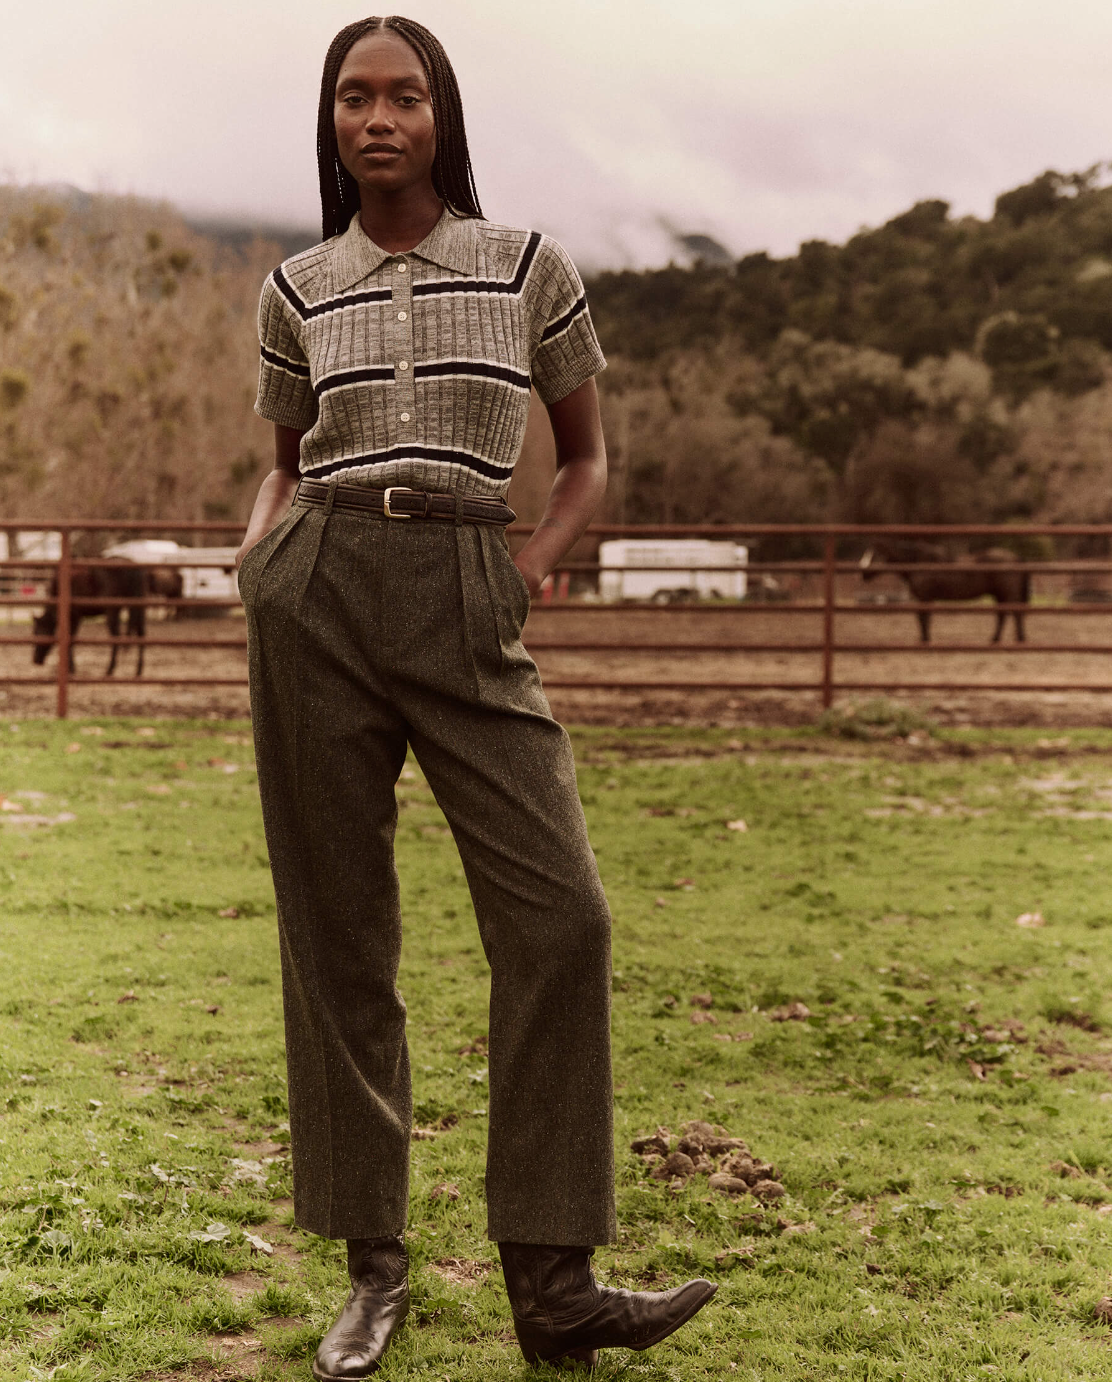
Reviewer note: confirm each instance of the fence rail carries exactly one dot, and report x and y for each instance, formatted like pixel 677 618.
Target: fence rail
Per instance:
pixel 827 592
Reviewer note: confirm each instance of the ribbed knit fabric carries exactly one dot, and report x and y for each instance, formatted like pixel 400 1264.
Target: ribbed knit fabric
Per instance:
pixel 414 369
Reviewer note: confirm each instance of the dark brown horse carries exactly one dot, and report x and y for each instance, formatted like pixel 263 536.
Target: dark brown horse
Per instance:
pixel 107 583
pixel 1005 587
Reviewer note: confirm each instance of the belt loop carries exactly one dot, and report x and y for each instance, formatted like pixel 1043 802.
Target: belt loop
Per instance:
pixel 330 498
pixel 459 509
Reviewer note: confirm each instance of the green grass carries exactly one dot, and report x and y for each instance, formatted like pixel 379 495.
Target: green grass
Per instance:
pixel 925 1233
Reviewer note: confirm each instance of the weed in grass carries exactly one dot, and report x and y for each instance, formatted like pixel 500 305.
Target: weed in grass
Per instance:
pixel 878 718
pixel 930 1082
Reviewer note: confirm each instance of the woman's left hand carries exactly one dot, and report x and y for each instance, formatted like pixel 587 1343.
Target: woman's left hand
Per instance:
pixel 532 578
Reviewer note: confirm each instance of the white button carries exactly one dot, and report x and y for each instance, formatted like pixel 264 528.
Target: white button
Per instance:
pixel 402 316
pixel 401 267
pixel 403 364
pixel 405 417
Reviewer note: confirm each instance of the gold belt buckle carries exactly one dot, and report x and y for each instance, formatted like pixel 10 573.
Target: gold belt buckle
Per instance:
pixel 395 489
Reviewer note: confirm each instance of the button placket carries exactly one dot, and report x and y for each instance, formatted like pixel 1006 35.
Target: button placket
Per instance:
pixel 401 342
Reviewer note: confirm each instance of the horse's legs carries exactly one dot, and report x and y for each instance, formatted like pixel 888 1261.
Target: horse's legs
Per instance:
pixel 114 632
pixel 924 617
pixel 1020 635
pixel 137 625
pixel 75 624
pixel 1001 619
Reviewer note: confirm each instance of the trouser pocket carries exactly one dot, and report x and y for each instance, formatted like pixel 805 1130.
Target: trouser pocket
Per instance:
pixel 509 593
pixel 258 557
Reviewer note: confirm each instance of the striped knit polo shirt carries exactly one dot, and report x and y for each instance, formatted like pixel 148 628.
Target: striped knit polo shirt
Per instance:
pixel 414 369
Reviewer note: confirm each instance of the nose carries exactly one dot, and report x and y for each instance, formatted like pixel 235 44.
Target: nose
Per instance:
pixel 380 119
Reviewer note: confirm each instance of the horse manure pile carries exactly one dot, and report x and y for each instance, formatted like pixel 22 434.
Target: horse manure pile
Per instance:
pixel 706 1149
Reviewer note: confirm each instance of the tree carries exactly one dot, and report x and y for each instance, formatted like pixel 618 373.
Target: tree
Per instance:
pixel 829 398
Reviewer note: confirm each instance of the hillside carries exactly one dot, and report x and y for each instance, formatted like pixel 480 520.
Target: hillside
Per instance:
pixel 934 369
pixel 923 284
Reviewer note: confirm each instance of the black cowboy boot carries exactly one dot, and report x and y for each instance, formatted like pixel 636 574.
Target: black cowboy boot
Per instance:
pixel 562 1313
pixel 379 1301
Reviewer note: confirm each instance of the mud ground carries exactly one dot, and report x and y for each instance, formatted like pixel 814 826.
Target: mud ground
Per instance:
pixel 634 655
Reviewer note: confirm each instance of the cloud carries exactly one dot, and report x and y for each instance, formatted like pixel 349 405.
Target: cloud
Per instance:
pixel 760 122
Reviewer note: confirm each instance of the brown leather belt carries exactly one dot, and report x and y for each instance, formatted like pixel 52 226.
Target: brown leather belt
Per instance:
pixel 398 502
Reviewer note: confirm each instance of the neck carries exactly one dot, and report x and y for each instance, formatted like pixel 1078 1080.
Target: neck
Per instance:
pixel 397 221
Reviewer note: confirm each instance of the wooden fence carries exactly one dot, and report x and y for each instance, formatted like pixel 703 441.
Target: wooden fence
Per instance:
pixel 827 591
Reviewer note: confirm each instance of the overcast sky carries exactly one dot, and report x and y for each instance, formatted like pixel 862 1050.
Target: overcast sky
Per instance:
pixel 760 122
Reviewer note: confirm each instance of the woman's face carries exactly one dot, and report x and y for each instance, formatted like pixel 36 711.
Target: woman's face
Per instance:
pixel 383 114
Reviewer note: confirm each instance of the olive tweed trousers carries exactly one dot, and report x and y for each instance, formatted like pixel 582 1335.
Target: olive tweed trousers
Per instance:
pixel 366 636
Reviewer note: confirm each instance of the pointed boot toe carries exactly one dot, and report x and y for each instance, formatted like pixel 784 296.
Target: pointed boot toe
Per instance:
pixel 663 1312
pixel 376 1306
pixel 561 1312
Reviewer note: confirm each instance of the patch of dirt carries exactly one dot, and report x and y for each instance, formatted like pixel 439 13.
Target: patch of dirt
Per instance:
pixel 461 1271
pixel 728 706
pixel 236 1355
pixel 1069 1062
pixel 244 1284
pixel 1085 1022
pixel 227 1364
pixel 205 1369
pixel 258 1150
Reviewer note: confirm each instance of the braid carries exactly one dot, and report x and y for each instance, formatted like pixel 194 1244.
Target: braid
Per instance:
pixel 452 176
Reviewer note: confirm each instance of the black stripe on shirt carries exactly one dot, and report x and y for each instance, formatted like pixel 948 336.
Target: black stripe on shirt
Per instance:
pixel 282 283
pixel 441 454
pixel 512 286
pixel 378 375
pixel 283 363
pixel 307 310
pixel 562 323
pixel 479 369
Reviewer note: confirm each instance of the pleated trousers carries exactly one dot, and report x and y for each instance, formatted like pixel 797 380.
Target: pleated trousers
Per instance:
pixel 366 636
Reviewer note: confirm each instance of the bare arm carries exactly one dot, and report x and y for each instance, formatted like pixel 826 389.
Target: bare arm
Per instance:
pixel 277 490
pixel 578 488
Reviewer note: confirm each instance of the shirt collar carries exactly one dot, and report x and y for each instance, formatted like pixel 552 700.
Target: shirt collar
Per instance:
pixel 452 243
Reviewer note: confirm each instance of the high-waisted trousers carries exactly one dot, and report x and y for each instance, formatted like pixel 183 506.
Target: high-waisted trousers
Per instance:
pixel 367 636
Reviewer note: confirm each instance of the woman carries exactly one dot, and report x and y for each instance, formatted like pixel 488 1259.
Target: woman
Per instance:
pixel 384 611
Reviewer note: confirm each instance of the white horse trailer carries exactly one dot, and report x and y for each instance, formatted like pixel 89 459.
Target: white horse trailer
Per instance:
pixel 672 569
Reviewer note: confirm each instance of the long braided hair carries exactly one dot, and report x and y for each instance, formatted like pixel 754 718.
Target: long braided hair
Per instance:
pixel 452 176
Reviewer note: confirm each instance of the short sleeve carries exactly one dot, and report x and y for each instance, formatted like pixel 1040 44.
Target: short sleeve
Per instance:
pixel 285 387
pixel 567 352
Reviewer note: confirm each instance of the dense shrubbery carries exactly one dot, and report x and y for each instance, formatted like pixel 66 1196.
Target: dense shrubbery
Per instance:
pixel 931 370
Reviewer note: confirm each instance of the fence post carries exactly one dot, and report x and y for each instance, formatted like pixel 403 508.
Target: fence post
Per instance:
pixel 829 555
pixel 62 629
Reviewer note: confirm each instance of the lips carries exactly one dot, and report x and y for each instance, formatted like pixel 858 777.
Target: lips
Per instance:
pixel 380 149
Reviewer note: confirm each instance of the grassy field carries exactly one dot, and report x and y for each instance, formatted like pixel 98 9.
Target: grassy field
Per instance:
pixel 929 1079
